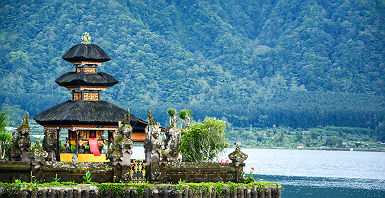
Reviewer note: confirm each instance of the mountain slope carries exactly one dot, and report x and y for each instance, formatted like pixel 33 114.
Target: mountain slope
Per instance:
pixel 296 63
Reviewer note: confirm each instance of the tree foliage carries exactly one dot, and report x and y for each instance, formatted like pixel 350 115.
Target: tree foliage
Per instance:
pixel 203 142
pixel 380 131
pixel 5 136
pixel 171 112
pixel 299 63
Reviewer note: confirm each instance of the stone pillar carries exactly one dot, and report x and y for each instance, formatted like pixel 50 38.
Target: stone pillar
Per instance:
pixel 154 146
pixel 50 143
pixel 58 144
pixel 147 141
pixel 21 142
pixel 237 158
pixel 121 149
pixel 173 138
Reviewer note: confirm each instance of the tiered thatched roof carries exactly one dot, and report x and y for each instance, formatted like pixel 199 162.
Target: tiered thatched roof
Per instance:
pixel 86 52
pixel 78 112
pixel 86 79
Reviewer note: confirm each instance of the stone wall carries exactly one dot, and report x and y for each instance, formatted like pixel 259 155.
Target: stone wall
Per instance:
pixel 74 171
pixel 12 170
pixel 66 171
pixel 169 172
pixel 197 172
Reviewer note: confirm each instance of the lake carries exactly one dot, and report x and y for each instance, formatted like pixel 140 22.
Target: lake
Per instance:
pixel 316 173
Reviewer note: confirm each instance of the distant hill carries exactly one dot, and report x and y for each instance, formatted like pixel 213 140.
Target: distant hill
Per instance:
pixel 295 63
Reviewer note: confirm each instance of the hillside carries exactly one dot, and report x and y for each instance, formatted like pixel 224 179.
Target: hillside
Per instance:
pixel 275 62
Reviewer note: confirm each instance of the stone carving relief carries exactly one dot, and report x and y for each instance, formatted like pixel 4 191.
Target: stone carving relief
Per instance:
pixel 237 158
pixel 173 135
pixel 38 155
pixel 21 142
pixel 154 146
pixel 121 148
pixel 50 143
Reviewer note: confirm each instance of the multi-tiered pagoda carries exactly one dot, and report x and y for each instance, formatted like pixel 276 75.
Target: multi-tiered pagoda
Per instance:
pixel 86 117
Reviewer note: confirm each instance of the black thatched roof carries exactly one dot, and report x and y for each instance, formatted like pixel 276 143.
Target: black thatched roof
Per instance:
pixel 84 79
pixel 79 112
pixel 86 52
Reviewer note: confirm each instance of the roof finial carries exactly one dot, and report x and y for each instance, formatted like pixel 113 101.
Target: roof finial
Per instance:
pixel 86 38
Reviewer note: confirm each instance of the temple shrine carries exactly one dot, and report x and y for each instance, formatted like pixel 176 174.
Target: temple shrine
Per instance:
pixel 90 121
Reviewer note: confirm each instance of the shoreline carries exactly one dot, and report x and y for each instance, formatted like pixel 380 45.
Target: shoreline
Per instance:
pixel 320 149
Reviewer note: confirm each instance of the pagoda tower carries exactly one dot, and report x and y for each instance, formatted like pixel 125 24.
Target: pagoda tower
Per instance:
pixel 86 116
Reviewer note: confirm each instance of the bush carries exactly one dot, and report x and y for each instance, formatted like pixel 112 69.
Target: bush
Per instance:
pixel 203 141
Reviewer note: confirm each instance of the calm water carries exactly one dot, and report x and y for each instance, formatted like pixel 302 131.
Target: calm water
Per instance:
pixel 326 174
pixel 313 173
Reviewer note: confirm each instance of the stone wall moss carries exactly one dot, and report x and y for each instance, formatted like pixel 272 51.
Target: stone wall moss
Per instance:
pixel 14 165
pixel 123 189
pixel 12 189
pixel 172 172
pixel 94 167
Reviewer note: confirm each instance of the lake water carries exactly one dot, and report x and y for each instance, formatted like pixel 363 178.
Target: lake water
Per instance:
pixel 315 173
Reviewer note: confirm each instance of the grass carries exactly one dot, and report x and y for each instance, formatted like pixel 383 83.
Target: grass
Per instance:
pixel 119 189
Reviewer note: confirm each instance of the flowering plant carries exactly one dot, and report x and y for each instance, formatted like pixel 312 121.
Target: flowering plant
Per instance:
pixel 249 178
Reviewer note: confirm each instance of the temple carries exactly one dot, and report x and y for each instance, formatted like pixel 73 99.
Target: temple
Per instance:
pixel 89 120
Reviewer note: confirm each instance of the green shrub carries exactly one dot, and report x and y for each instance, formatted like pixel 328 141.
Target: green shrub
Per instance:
pixel 203 141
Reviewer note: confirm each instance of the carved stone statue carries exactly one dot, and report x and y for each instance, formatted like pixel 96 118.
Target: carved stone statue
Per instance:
pixel 86 38
pixel 154 146
pixel 50 143
pixel 237 158
pixel 38 156
pixel 173 138
pixel 121 148
pixel 21 142
pixel 173 121
pixel 156 140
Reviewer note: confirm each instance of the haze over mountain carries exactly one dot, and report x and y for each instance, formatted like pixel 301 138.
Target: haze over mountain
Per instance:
pixel 272 62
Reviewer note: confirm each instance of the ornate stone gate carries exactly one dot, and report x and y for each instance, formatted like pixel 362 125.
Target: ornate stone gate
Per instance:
pixel 138 171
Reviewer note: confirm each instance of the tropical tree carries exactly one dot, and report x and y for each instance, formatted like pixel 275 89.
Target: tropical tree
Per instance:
pixel 203 142
pixel 172 113
pixel 5 136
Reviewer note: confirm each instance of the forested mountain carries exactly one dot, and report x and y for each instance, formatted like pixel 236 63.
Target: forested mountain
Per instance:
pixel 294 63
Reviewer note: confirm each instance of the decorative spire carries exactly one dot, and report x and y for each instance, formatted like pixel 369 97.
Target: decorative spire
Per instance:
pixel 26 120
pixel 150 118
pixel 86 38
pixel 127 117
